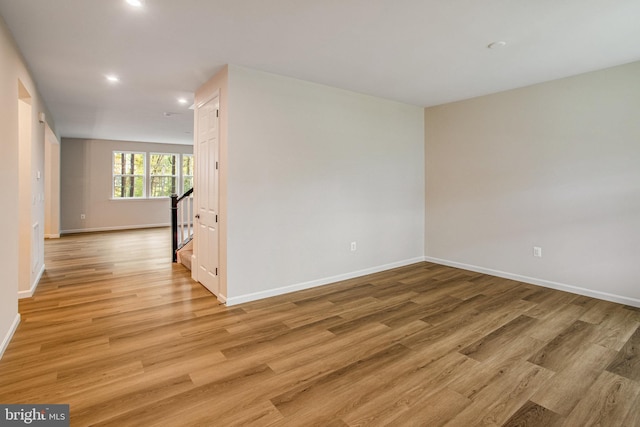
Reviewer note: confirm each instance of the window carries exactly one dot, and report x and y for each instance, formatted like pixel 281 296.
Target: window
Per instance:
pixel 187 172
pixel 153 175
pixel 128 174
pixel 163 175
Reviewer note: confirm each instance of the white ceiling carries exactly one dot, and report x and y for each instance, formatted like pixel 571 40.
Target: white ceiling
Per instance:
pixel 422 52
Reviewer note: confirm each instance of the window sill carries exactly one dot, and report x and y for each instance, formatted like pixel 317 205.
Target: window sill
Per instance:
pixel 130 199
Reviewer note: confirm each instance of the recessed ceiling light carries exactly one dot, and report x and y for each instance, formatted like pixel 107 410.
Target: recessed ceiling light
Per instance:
pixel 182 101
pixel 135 3
pixel 113 78
pixel 497 45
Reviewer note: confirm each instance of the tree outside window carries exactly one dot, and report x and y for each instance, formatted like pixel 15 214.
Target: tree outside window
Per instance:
pixel 163 174
pixel 128 175
pixel 187 172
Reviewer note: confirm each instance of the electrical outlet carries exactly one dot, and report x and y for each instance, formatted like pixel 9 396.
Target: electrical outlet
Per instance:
pixel 83 216
pixel 353 246
pixel 537 251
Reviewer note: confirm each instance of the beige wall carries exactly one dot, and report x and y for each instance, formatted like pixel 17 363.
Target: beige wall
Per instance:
pixel 85 187
pixel 555 165
pixel 13 254
pixel 312 168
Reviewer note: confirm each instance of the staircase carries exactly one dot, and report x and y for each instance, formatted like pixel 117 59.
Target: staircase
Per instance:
pixel 182 216
pixel 184 254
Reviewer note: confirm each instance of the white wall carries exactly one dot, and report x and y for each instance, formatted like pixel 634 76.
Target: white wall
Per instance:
pixel 13 70
pixel 555 165
pixel 310 169
pixel 86 188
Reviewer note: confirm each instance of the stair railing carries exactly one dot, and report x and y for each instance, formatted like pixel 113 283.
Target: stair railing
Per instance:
pixel 181 221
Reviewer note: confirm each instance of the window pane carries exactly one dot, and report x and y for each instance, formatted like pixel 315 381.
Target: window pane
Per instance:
pixel 138 164
pixel 128 174
pixel 163 174
pixel 187 164
pixel 163 164
pixel 128 186
pixel 163 186
pixel 128 163
pixel 187 172
pixel 187 183
pixel 117 163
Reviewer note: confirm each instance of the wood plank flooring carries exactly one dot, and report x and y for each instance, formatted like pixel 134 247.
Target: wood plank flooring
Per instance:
pixel 128 339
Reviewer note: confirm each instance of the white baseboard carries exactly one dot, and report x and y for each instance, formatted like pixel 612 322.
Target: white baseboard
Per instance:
pixel 314 283
pixel 115 228
pixel 540 282
pixel 34 285
pixel 7 338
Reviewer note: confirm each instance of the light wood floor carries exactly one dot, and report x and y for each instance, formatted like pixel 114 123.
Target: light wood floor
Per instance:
pixel 127 339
